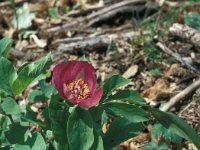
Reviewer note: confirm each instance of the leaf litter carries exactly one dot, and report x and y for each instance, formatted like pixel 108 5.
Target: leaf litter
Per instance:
pixel 134 58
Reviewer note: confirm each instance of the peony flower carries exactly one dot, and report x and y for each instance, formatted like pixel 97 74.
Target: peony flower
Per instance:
pixel 76 82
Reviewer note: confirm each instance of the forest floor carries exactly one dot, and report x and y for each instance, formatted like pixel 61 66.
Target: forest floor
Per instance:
pixel 137 39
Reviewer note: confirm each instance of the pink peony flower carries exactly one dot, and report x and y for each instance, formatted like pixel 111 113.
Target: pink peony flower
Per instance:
pixel 76 82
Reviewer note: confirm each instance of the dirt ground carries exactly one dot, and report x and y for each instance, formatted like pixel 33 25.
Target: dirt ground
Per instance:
pixel 116 37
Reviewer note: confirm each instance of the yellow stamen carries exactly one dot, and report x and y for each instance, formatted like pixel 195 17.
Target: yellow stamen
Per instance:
pixel 79 89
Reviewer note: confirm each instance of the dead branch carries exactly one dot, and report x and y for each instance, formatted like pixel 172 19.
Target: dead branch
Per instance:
pixel 83 11
pixel 178 57
pixel 97 14
pixel 92 34
pixel 86 10
pixel 68 40
pixel 110 14
pixel 116 6
pixel 186 33
pixel 174 100
pixel 91 43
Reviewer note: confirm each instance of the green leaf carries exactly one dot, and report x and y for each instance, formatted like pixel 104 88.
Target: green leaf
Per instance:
pixel 47 89
pixel 30 115
pixel 130 112
pixel 83 58
pixel 7 75
pixel 16 133
pixel 53 12
pixel 154 146
pixel 47 120
pixel 58 116
pixel 176 125
pixel 128 95
pixel 37 96
pixel 120 130
pixel 98 142
pixel 5 46
pixel 36 142
pixel 30 72
pixel 167 134
pixel 3 122
pixel 112 84
pixel 22 147
pixel 58 126
pixel 24 17
pixel 80 130
pixel 3 140
pixel 10 107
pixel 96 112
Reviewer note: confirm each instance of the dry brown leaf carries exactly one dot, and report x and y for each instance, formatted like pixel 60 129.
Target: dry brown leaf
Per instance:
pixel 176 71
pixel 160 89
pixel 39 6
pixel 131 71
pixel 133 143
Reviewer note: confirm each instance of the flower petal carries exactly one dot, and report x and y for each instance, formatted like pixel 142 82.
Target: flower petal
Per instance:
pixel 72 70
pixel 69 96
pixel 63 74
pixel 93 100
pixel 56 77
pixel 90 78
pixel 83 70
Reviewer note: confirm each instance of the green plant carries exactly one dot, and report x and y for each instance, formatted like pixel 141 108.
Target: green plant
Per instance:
pixel 112 48
pixel 155 72
pixel 167 135
pixel 53 12
pixel 171 60
pixel 155 26
pixel 153 52
pixel 154 146
pixel 23 17
pixel 76 110
pixel 193 20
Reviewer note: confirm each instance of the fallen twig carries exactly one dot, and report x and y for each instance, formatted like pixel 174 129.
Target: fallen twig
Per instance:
pixel 84 11
pixel 176 56
pixel 97 14
pixel 92 34
pixel 186 33
pixel 116 6
pixel 91 43
pixel 110 14
pixel 174 100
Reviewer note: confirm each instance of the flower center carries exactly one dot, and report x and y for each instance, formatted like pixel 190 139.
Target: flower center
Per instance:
pixel 79 89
